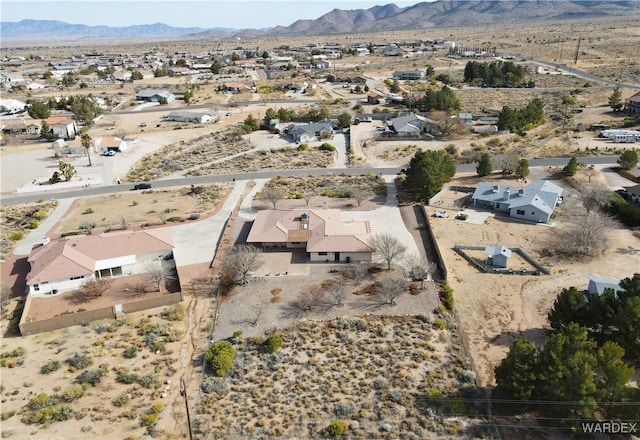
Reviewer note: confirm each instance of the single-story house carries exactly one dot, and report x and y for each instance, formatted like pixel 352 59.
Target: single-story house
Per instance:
pixel 535 202
pixel 65 264
pixel 598 285
pixel 12 105
pixel 155 95
pixel 497 256
pixel 62 127
pixel 111 144
pixel 412 125
pixel 193 117
pixel 374 98
pixel 35 86
pixel 311 132
pixel 235 87
pixel 22 126
pixel 321 232
pixel 632 104
pixel 411 75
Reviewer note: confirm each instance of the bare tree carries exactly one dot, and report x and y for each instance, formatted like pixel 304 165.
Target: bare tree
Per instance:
pixel 258 310
pixel 89 290
pixel 508 162
pixel 586 234
pixel 388 247
pixel 357 272
pixel 242 260
pixel 419 268
pixel 388 290
pixel 590 171
pixel 272 194
pixel 446 123
pixel 358 195
pixel 307 301
pixel 308 195
pixel 87 226
pixel 596 196
pixel 155 273
pixel 336 292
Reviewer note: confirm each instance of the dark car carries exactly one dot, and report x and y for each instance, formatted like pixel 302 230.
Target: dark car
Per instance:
pixel 142 186
pixel 461 216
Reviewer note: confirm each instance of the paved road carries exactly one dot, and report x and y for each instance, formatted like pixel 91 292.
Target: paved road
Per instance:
pixel 199 180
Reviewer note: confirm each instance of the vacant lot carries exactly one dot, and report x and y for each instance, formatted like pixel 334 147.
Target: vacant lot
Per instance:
pixel 139 208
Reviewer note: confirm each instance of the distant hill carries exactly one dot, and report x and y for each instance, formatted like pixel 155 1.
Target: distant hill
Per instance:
pixel 39 29
pixel 437 14
pixel 452 13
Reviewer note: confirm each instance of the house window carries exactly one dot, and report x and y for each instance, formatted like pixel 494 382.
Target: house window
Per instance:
pixel 322 253
pixel 36 287
pixel 77 278
pixel 533 213
pixel 520 212
pixel 497 205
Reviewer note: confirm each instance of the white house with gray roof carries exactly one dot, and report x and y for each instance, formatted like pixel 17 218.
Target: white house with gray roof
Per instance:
pixel 534 203
pixel 311 132
pixel 154 95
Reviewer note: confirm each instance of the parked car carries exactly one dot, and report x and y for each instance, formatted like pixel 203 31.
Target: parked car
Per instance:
pixel 143 185
pixel 441 214
pixel 461 216
pixel 143 124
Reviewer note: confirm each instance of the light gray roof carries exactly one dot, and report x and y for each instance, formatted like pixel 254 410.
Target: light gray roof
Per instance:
pixel 546 186
pixel 148 93
pixel 409 122
pixel 312 128
pixel 545 202
pixel 598 285
pixel 497 250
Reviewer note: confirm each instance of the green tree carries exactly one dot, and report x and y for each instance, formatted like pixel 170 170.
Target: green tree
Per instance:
pixel 567 308
pixel 628 159
pixel 516 375
pixel 135 75
pixel 629 327
pixel 615 100
pixel 215 67
pixel 67 170
pixel 428 172
pixel 484 165
pixel 220 357
pixel 181 62
pixel 395 87
pixel 38 110
pixel 85 140
pixel 566 372
pixel 572 167
pixel 522 169
pixel 85 109
pixel 45 131
pixel 344 119
pixel 272 344
pixel 251 122
pixel 69 79
pixel 613 373
pixel 268 116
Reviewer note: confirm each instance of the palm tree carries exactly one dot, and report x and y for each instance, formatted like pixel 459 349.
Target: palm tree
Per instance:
pixel 86 143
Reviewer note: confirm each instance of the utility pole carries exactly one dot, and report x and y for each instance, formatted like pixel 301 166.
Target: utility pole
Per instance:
pixel 575 59
pixel 183 392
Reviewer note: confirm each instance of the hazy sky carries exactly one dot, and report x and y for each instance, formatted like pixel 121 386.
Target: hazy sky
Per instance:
pixel 236 14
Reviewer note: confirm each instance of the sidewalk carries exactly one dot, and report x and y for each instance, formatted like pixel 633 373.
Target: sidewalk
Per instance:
pixel 37 235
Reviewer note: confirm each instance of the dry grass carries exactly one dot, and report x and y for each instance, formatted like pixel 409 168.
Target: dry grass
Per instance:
pixel 19 220
pixel 373 373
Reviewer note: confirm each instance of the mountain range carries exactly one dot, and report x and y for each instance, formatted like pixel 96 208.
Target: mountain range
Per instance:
pixel 440 13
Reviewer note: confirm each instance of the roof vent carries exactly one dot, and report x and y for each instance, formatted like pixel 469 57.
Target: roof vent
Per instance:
pixel 496 188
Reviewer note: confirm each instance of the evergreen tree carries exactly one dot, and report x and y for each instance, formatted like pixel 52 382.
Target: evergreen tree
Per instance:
pixel 522 169
pixel 484 165
pixel 428 172
pixel 38 110
pixel 615 100
pixel 516 375
pixel 572 167
pixel 613 373
pixel 567 308
pixel 628 159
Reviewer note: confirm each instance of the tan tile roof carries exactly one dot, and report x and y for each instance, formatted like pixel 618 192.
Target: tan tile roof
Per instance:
pixel 326 231
pixel 77 255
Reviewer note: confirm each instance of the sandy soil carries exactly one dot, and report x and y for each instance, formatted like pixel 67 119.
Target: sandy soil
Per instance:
pixel 496 309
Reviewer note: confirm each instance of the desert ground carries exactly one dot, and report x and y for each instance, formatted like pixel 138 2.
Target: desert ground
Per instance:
pixel 491 310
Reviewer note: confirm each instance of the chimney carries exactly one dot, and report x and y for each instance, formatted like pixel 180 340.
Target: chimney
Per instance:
pixel 507 193
pixel 521 192
pixel 496 188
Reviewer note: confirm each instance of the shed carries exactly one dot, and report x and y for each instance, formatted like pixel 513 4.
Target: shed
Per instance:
pixel 497 256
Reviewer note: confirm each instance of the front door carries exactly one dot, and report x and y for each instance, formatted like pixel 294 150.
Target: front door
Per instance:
pixel 337 258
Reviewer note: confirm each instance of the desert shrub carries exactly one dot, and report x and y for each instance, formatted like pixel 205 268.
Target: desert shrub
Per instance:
pixel 50 367
pixel 272 343
pixel 343 409
pixel 213 384
pixel 74 392
pixel 434 394
pixel 40 215
pixel 33 224
pixel 220 356
pixel 130 352
pixel 336 428
pixel 150 418
pixel 40 401
pixel 90 377
pixel 148 380
pixel 121 400
pixel 16 235
pixel 380 383
pixel 237 334
pixel 79 362
pixel 194 216
pixel 123 376
pixel 440 324
pixel 447 296
pixel 174 219
pixel 88 211
pixel 326 147
pixel 174 313
pixel 102 328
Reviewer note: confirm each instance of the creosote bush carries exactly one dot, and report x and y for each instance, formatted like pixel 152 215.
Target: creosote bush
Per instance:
pixel 50 367
pixel 220 357
pixel 336 428
pixel 272 343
